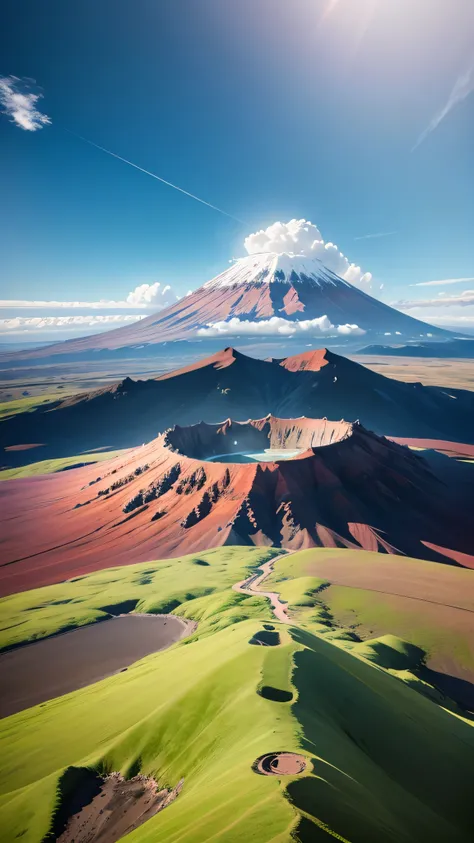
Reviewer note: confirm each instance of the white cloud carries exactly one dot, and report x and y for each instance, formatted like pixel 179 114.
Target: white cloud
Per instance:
pixel 36 323
pixel 277 326
pixel 152 297
pixel 301 237
pixel 465 299
pixel 453 320
pixel 463 86
pixel 20 106
pixel 51 304
pixel 354 330
pixel 442 282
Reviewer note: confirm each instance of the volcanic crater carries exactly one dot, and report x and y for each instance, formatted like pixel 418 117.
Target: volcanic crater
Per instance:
pixel 265 440
pixel 290 483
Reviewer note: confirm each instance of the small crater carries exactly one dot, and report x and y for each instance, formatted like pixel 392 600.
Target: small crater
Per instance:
pixel 280 764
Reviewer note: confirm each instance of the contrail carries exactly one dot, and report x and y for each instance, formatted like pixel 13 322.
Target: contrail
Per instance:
pixel 375 236
pixel 463 86
pixel 154 176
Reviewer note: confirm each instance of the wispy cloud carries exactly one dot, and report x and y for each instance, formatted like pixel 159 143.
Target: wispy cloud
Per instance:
pixel 446 319
pixel 26 324
pixel 19 105
pixel 145 296
pixel 465 299
pixel 376 236
pixel 463 86
pixel 441 282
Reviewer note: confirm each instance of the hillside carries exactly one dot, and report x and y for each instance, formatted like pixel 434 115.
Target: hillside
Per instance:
pixel 386 760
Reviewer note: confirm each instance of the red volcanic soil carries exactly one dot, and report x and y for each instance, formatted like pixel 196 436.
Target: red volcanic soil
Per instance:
pixel 106 810
pixel 24 447
pixel 308 361
pixel 346 488
pixel 451 449
pixel 220 360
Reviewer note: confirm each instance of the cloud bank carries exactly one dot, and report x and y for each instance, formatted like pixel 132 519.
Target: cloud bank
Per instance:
pixel 301 237
pixel 452 320
pixel 152 297
pixel 20 106
pixel 465 299
pixel 34 323
pixel 277 326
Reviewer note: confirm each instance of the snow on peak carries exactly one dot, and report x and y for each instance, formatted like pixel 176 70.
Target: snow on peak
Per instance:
pixel 271 267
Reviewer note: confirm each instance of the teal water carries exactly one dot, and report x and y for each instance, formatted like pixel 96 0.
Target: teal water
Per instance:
pixel 268 455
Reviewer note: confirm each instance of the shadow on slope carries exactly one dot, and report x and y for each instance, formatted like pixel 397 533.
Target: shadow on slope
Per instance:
pixel 389 765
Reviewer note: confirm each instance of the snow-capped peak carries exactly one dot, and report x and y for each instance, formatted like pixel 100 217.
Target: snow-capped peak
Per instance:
pixel 270 268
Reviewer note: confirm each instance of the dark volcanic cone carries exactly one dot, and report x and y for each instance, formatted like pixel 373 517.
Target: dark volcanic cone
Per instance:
pixel 229 384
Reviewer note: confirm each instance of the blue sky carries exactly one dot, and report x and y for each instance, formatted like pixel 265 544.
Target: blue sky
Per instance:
pixel 268 109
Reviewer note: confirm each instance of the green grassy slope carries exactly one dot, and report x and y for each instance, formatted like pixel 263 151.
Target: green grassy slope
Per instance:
pixel 52 466
pixel 203 581
pixel 381 603
pixel 28 404
pixel 386 765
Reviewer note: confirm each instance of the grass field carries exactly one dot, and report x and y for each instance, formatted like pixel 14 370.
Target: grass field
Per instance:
pixel 425 603
pixel 452 373
pixel 51 466
pixel 27 404
pixel 198 586
pixel 385 764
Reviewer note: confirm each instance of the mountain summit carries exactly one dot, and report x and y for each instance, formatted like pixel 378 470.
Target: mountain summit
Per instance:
pixel 265 295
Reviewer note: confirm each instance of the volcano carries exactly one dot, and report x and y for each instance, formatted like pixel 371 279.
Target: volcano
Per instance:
pixel 291 483
pixel 231 384
pixel 255 289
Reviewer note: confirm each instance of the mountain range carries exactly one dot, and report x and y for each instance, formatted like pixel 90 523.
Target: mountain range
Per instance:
pixel 232 385
pixel 462 348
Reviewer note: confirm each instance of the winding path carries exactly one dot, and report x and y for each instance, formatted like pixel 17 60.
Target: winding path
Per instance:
pixel 251 586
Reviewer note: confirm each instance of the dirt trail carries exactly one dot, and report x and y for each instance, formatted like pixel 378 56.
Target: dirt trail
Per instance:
pixel 251 586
